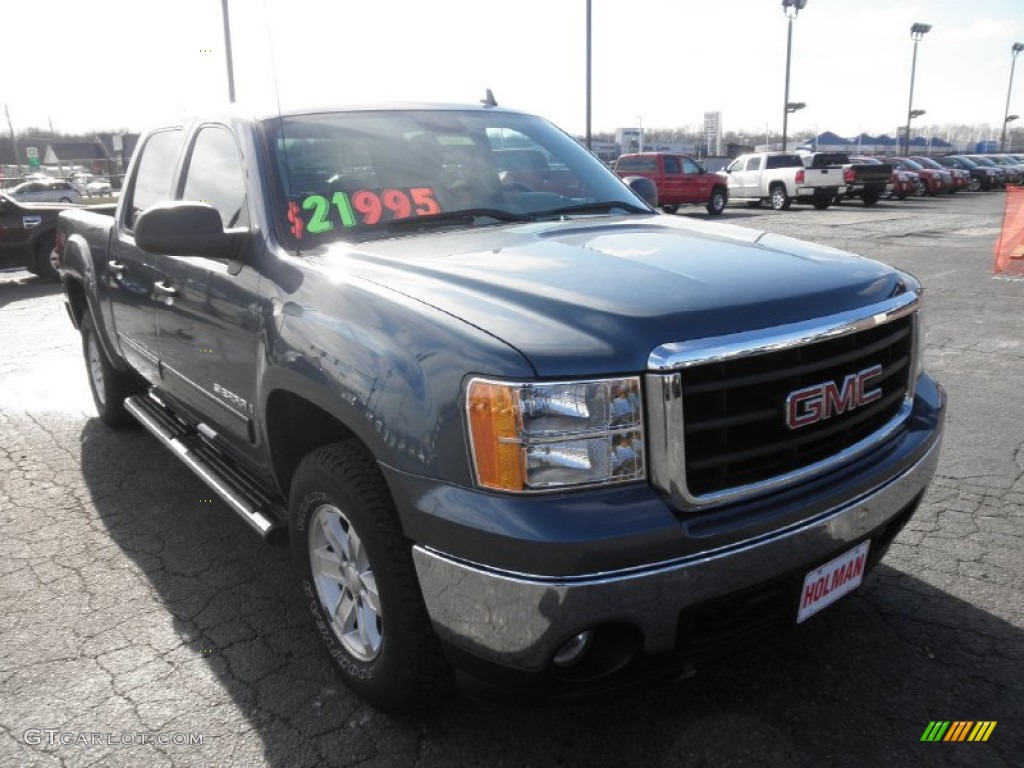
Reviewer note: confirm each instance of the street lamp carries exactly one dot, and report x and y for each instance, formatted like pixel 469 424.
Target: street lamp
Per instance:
pixel 227 51
pixel 792 9
pixel 794 106
pixel 1017 48
pixel 917 31
pixel 589 138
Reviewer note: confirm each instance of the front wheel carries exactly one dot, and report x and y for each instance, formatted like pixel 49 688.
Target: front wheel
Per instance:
pixel 780 200
pixel 359 583
pixel 109 386
pixel 716 203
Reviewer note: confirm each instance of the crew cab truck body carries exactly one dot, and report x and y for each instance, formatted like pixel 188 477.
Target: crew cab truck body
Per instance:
pixel 680 180
pixel 781 179
pixel 547 441
pixel 867 181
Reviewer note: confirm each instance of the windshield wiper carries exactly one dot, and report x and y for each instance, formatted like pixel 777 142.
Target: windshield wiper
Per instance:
pixel 604 206
pixel 466 215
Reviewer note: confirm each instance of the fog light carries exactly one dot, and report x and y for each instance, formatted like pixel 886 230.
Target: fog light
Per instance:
pixel 573 649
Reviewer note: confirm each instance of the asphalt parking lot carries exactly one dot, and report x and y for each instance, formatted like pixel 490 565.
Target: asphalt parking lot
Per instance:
pixel 138 609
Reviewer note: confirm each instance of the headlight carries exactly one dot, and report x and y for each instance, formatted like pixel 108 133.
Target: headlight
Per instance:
pixel 543 436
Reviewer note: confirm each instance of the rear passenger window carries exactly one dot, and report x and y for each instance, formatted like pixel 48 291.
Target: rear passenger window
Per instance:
pixel 156 168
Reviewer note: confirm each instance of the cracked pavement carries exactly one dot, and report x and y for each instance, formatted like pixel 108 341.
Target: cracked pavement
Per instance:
pixel 133 605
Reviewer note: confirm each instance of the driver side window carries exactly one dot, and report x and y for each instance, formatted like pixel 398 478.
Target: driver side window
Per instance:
pixel 215 176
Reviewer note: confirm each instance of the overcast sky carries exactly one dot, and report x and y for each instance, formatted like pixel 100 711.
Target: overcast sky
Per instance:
pixel 128 63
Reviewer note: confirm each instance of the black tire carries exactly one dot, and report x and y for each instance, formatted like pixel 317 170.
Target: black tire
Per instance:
pixel 901 197
pixel 109 386
pixel 754 203
pixel 670 209
pixel 869 198
pixel 41 264
pixel 821 205
pixel 717 202
pixel 779 199
pixel 397 663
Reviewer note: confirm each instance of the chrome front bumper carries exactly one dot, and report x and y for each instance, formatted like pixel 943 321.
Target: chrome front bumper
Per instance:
pixel 520 621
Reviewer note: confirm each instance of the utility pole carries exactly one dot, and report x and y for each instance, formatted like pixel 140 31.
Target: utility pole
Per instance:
pixel 227 52
pixel 14 139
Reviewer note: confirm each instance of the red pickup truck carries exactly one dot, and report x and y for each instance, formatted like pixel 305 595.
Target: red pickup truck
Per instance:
pixel 680 180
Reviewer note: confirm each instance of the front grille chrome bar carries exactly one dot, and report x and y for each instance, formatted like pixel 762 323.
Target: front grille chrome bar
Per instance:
pixel 717 349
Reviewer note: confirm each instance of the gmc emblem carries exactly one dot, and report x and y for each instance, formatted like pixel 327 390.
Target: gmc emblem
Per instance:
pixel 823 401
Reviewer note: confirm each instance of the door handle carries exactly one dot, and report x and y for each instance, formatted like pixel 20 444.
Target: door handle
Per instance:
pixel 165 290
pixel 115 266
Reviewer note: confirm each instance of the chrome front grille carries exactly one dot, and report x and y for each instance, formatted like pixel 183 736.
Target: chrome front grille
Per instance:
pixel 719 406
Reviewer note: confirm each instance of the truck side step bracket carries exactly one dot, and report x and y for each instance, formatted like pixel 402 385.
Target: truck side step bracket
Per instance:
pixel 243 494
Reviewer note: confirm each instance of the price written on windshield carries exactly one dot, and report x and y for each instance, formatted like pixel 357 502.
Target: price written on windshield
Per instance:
pixel 367 207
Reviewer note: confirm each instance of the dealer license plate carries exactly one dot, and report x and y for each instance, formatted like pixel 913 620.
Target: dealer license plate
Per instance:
pixel 824 585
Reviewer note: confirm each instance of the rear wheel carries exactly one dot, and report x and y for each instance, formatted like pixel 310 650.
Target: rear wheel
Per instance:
pixel 109 386
pixel 717 202
pixel 869 198
pixel 41 264
pixel 670 209
pixel 359 583
pixel 780 200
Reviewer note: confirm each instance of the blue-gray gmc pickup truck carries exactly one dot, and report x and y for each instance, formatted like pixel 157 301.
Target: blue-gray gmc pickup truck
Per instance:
pixel 536 433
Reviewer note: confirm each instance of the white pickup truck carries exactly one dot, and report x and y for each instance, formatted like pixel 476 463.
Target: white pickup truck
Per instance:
pixel 782 179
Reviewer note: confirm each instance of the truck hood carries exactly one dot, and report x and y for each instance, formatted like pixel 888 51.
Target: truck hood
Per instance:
pixel 596 295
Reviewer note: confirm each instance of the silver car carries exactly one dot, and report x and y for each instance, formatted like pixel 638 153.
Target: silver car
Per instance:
pixel 55 191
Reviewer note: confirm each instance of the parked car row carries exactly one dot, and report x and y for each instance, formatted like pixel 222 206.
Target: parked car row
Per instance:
pixel 44 189
pixel 820 179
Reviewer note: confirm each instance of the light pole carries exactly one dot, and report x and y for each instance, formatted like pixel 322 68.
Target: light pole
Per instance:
pixel 791 107
pixel 588 75
pixel 640 120
pixel 1017 48
pixel 227 51
pixel 792 9
pixel 917 31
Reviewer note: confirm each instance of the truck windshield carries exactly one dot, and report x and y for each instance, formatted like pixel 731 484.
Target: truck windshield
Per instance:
pixel 352 175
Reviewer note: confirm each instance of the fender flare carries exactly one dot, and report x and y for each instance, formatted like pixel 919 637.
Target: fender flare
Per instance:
pixel 77 265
